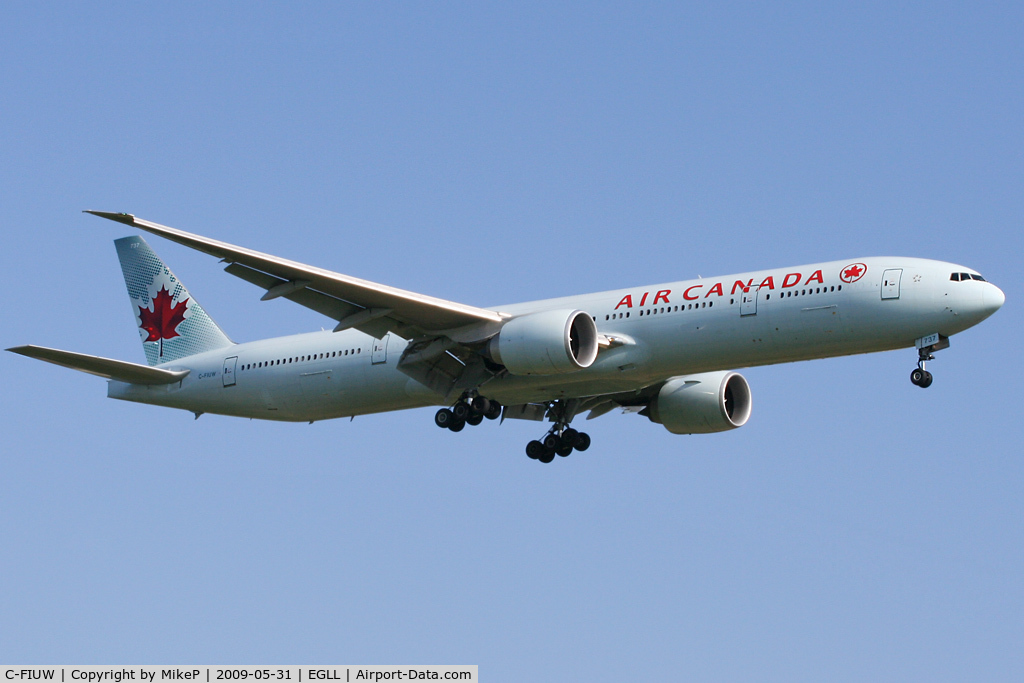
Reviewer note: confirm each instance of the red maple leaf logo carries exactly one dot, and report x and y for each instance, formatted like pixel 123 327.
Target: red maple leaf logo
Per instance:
pixel 162 322
pixel 853 272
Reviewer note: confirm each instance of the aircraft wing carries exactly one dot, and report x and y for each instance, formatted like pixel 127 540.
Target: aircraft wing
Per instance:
pixel 120 370
pixel 370 307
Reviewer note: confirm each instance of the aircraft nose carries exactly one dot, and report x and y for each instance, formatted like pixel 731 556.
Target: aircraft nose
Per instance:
pixel 992 299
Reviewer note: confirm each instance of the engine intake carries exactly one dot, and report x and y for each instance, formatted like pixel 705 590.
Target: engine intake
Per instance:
pixel 701 404
pixel 547 343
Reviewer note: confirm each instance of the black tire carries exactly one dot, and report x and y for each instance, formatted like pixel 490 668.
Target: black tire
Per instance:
pixel 569 436
pixel 493 410
pixel 547 456
pixel 917 376
pixel 475 419
pixel 564 450
pixel 480 405
pixel 551 442
pixel 457 425
pixel 461 410
pixel 927 381
pixel 444 418
pixel 582 441
pixel 535 449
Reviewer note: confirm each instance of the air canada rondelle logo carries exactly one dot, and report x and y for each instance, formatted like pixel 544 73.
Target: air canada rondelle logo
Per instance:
pixel 853 272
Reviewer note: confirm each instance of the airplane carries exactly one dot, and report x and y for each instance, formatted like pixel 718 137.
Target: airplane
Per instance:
pixel 664 351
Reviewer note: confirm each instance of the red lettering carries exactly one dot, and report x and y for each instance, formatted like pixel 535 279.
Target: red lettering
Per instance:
pixel 627 301
pixel 815 277
pixel 768 282
pixel 661 296
pixel 717 289
pixel 787 283
pixel 644 298
pixel 686 294
pixel 739 284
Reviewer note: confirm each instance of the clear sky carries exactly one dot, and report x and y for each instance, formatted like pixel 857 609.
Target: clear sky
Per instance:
pixel 858 528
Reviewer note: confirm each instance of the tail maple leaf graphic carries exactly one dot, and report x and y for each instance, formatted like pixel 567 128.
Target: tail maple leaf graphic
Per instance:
pixel 163 320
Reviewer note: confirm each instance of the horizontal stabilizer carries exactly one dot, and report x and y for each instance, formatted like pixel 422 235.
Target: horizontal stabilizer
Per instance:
pixel 122 371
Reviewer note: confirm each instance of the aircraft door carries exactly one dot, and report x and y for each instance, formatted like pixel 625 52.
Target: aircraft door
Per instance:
pixel 229 371
pixel 891 283
pixel 748 301
pixel 380 350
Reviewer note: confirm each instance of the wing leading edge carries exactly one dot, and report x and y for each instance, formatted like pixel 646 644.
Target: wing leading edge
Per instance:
pixel 368 306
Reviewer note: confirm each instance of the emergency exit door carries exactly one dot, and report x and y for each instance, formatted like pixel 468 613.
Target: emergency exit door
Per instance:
pixel 229 371
pixel 748 301
pixel 891 283
pixel 380 350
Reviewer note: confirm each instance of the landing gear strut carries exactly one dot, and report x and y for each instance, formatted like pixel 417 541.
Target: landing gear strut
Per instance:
pixel 926 346
pixel 467 411
pixel 561 439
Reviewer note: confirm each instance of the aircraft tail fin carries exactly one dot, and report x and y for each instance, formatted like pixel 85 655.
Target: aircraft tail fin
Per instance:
pixel 171 322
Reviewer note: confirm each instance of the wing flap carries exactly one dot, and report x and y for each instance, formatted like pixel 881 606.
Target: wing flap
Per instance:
pixel 123 371
pixel 420 311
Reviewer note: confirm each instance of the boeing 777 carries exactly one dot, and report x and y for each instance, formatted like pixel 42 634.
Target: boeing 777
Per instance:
pixel 665 351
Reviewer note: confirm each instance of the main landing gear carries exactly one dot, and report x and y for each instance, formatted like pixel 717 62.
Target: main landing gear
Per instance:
pixel 561 440
pixel 468 411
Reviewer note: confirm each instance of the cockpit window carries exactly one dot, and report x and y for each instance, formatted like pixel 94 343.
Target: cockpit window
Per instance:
pixel 979 278
pixel 955 277
pixel 965 277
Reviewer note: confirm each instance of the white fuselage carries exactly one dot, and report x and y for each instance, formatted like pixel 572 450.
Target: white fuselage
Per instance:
pixel 678 328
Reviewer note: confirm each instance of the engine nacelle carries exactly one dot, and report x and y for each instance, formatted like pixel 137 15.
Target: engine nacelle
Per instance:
pixel 548 343
pixel 701 404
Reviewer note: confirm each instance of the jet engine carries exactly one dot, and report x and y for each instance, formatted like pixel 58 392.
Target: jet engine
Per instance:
pixel 547 343
pixel 701 404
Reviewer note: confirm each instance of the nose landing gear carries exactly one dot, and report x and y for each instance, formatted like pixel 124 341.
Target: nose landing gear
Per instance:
pixel 926 346
pixel 921 377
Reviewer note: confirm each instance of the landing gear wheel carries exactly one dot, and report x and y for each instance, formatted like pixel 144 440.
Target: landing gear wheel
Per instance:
pixel 917 376
pixel 444 418
pixel 547 456
pixel 551 442
pixel 535 449
pixel 582 441
pixel 475 419
pixel 457 425
pixel 569 436
pixel 927 381
pixel 480 405
pixel 564 450
pixel 461 410
pixel 493 411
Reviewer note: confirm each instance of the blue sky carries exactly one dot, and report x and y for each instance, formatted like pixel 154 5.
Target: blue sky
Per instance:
pixel 856 528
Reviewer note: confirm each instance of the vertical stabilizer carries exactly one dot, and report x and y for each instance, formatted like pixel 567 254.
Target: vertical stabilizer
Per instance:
pixel 171 323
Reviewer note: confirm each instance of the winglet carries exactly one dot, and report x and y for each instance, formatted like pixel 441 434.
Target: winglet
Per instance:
pixel 125 218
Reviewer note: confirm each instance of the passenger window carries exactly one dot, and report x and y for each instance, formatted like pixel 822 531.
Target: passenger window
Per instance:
pixel 840 288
